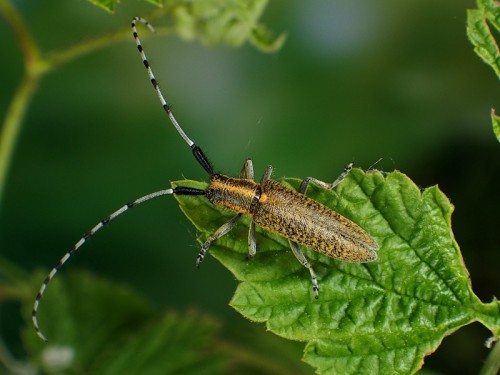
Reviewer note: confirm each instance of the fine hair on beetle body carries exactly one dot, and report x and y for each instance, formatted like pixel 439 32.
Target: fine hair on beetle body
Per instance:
pixel 268 203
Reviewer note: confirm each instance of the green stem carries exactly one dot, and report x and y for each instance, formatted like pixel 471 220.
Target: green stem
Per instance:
pixel 26 41
pixel 12 125
pixel 58 58
pixel 36 67
pixel 492 364
pixel 14 366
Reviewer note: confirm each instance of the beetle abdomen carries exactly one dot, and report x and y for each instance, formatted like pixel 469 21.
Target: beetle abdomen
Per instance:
pixel 303 220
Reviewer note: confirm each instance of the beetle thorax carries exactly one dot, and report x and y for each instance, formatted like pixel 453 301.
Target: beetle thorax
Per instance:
pixel 236 194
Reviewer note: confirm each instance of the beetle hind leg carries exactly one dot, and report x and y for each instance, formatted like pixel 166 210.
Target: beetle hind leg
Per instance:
pixel 252 243
pixel 324 185
pixel 303 260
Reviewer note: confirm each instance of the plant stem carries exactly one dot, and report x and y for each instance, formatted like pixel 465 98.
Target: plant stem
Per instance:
pixel 36 67
pixel 12 125
pixel 12 365
pixel 492 364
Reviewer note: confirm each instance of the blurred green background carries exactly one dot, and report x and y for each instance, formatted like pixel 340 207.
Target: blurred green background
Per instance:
pixel 355 81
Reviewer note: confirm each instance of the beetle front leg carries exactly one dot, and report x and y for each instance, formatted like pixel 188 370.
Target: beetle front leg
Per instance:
pixel 247 170
pixel 224 229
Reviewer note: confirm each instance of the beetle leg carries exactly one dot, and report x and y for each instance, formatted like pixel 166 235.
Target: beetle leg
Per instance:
pixel 224 229
pixel 267 174
pixel 303 260
pixel 252 244
pixel 247 170
pixel 307 180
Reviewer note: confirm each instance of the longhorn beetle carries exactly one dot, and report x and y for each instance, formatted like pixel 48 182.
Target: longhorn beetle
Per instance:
pixel 270 204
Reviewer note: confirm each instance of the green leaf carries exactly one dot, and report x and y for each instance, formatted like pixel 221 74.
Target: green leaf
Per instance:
pixel 108 5
pixel 496 124
pixel 158 3
pixel 230 22
pixel 480 35
pixel 262 38
pixel 173 345
pixel 97 327
pixel 374 318
pixel 82 314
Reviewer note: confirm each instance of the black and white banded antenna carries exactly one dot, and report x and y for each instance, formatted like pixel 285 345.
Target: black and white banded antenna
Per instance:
pixel 180 190
pixel 197 152
pixel 80 242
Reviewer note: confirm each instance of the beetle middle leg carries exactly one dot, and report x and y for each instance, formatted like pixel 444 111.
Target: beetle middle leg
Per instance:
pixel 247 172
pixel 252 244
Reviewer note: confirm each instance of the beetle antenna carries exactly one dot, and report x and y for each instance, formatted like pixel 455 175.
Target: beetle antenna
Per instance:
pixel 197 152
pixel 90 233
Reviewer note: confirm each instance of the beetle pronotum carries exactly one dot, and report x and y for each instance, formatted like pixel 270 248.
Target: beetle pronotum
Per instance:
pixel 270 204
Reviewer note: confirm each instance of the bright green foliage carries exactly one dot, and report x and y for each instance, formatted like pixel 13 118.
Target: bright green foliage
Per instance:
pixel 485 45
pixel 496 124
pixel 109 5
pixel 158 3
pixel 97 327
pixel 230 22
pixel 478 30
pixel 375 318
pixel 262 38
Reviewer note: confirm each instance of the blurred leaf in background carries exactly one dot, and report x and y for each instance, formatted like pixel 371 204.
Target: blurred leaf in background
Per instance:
pixel 480 34
pixel 109 329
pixel 496 124
pixel 483 39
pixel 96 326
